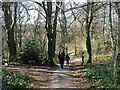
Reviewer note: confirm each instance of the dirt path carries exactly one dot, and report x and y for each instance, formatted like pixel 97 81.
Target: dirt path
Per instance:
pixel 53 77
pixel 41 74
pixel 62 78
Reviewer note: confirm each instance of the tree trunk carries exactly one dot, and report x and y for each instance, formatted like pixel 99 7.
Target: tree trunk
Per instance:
pixel 114 42
pixel 104 23
pixel 20 38
pixel 117 4
pixel 20 31
pixel 50 51
pixel 118 56
pixel 88 24
pixel 88 45
pixel 10 27
pixel 51 32
pixel 63 27
pixel 50 28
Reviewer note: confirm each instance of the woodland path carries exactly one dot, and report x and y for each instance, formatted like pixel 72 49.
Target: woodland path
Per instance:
pixel 62 79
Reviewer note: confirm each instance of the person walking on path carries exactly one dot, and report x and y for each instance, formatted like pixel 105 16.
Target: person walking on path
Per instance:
pixel 82 60
pixel 67 59
pixel 63 53
pixel 61 59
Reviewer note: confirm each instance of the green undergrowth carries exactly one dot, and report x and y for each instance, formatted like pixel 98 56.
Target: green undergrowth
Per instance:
pixel 100 58
pixel 77 60
pixel 103 58
pixel 101 76
pixel 11 80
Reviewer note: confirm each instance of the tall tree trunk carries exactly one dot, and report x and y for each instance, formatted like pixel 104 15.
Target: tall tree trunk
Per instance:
pixel 50 28
pixel 88 46
pixel 20 29
pixel 118 56
pixel 88 24
pixel 104 23
pixel 1 50
pixel 63 27
pixel 20 38
pixel 51 32
pixel 114 42
pixel 10 27
pixel 55 25
pixel 118 12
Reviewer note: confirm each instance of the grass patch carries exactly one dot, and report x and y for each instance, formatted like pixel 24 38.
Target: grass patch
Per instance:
pixel 101 76
pixel 11 80
pixel 77 60
pixel 103 58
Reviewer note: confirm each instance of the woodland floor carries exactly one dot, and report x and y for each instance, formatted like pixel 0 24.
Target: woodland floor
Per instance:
pixel 77 77
pixel 41 74
pixel 45 76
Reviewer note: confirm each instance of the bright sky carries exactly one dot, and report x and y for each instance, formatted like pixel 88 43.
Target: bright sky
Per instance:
pixel 41 0
pixel 35 13
pixel 81 1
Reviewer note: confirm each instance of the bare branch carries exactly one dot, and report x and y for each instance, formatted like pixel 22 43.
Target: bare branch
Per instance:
pixel 15 16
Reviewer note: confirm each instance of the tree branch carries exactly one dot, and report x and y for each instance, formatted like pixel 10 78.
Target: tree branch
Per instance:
pixel 15 17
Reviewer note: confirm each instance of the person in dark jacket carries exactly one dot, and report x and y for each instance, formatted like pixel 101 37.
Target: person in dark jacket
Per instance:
pixel 67 59
pixel 63 53
pixel 82 60
pixel 61 59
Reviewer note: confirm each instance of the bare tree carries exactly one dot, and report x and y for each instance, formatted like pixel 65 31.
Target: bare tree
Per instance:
pixel 9 25
pixel 50 28
pixel 117 7
pixel 89 12
pixel 63 24
pixel 114 43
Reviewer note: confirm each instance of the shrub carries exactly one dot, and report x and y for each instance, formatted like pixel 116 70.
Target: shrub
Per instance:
pixel 11 80
pixel 101 76
pixel 31 51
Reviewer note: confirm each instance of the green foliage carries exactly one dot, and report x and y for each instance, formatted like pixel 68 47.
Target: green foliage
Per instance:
pixel 82 52
pixel 77 60
pixel 104 58
pixel 101 46
pixel 31 51
pixel 107 44
pixel 56 58
pixel 101 76
pixel 11 80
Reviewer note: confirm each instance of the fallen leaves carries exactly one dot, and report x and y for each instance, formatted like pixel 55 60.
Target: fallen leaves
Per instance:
pixel 77 76
pixel 40 74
